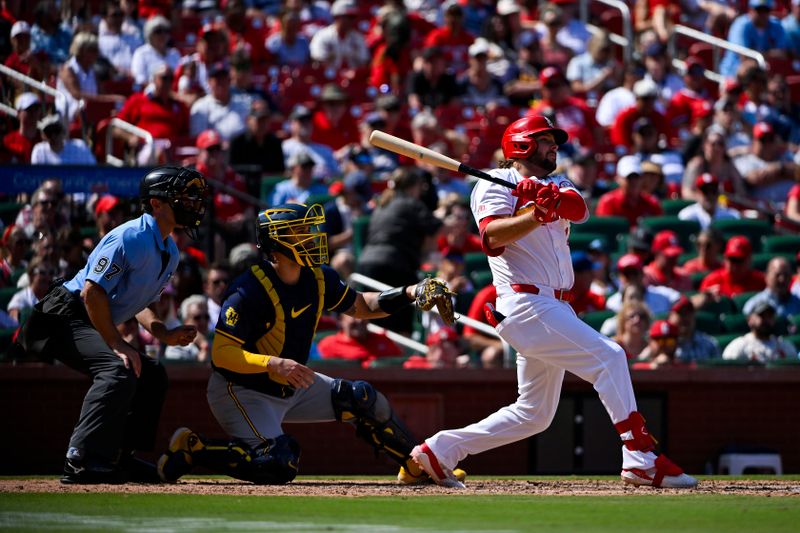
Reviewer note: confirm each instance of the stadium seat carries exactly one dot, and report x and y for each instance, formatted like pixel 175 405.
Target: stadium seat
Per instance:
pixel 752 228
pixel 685 229
pixel 697 278
pixel 725 306
pixel 596 318
pixel 760 260
pixel 673 206
pixel 481 278
pixel 735 323
pixel 360 229
pixel 388 362
pixel 781 243
pixel 708 322
pixel 724 339
pixel 740 299
pixel 9 211
pixel 268 184
pixel 475 261
pixel 5 296
pixel 608 227
pixel 581 241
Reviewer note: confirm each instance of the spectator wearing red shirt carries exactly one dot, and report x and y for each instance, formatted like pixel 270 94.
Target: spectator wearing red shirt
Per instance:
pixel 583 300
pixel 334 126
pixel 490 348
pixel 709 245
pixel 18 144
pixel 192 74
pixel 22 58
pixel 737 274
pixel 248 33
pixel 230 213
pixel 456 237
pixel 354 343
pixel 792 209
pixel 571 114
pixel 158 113
pixel 691 102
pixel 628 200
pixel 452 38
pixel 646 92
pixel 664 270
pixel 391 60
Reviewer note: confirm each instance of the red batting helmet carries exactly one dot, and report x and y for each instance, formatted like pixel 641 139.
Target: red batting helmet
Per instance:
pixel 518 141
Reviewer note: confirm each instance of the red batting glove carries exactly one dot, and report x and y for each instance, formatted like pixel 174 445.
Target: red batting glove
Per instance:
pixel 547 201
pixel 527 190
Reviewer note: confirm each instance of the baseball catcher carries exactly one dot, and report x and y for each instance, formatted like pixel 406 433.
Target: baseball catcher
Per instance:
pixel 263 336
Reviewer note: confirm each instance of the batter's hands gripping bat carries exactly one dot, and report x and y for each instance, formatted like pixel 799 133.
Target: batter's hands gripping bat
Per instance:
pixel 400 146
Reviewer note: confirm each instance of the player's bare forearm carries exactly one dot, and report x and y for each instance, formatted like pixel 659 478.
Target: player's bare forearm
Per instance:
pixel 181 335
pixel 367 306
pixel 504 231
pixel 147 318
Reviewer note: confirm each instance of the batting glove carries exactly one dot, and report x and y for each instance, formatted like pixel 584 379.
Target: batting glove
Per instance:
pixel 527 190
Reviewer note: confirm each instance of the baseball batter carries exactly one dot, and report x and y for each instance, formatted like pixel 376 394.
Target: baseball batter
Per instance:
pixel 263 336
pixel 525 234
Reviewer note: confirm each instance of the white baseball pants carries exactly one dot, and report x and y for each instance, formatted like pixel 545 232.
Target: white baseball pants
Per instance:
pixel 549 339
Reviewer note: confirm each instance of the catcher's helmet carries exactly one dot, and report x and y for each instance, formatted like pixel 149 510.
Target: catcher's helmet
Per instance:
pixel 518 141
pixel 296 231
pixel 184 189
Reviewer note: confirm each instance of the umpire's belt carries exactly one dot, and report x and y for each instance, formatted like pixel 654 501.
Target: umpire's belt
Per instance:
pixel 565 295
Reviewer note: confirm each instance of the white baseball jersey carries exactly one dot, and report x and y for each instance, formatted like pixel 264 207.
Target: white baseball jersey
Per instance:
pixel 541 257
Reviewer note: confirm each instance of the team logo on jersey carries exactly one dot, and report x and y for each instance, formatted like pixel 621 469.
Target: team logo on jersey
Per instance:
pixel 231 316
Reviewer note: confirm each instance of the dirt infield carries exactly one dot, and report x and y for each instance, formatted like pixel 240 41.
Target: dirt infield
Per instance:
pixel 359 488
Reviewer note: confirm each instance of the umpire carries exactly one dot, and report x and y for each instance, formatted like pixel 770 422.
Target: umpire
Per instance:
pixel 76 324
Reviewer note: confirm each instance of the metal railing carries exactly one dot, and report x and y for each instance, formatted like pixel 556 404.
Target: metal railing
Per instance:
pixel 465 320
pixel 6 110
pixel 717 43
pixel 626 39
pixel 59 97
pixel 127 127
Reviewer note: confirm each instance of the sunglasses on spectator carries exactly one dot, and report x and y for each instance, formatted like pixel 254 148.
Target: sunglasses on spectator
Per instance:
pixel 701 244
pixel 630 272
pixel 220 281
pixel 200 317
pixel 51 203
pixel 161 30
pixel 166 76
pixel 709 190
pixel 735 260
pixel 638 314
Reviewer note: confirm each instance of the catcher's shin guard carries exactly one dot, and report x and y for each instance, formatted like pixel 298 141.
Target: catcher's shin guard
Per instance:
pixel 274 462
pixel 358 403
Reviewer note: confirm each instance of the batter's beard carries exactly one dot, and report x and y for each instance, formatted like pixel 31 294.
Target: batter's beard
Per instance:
pixel 543 162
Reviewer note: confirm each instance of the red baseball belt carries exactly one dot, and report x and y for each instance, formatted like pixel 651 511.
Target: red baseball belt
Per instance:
pixel 565 295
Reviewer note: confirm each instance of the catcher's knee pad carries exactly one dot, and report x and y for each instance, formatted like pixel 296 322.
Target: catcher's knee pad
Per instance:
pixel 640 439
pixel 358 403
pixel 274 462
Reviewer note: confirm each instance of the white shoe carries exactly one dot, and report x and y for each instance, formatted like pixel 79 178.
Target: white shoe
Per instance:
pixel 424 457
pixel 665 474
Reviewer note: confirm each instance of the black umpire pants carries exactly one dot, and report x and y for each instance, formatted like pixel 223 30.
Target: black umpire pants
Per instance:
pixel 120 411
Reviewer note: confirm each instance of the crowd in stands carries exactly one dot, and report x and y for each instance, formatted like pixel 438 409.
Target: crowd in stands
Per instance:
pixel 692 253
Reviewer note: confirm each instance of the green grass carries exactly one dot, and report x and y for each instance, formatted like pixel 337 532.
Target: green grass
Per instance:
pixel 586 514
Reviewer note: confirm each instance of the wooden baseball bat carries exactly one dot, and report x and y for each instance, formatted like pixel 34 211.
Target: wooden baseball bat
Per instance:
pixel 400 146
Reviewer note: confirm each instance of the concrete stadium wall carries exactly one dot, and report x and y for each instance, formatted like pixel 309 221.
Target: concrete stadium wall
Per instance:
pixel 694 413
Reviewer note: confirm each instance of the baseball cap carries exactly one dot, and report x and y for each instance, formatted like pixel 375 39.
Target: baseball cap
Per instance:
pixel 651 167
pixel 640 238
pixel 598 245
pixel 739 247
pixel 342 8
pixel 374 120
pixel 388 102
pixel 300 112
pixel 645 88
pixel 480 46
pixel 209 29
pixel 762 306
pixel 26 100
pixel 755 4
pixel 442 335
pixel 220 67
pixel 551 73
pixel 50 121
pixel 643 123
pixel 666 242
pixel 682 304
pixel 332 93
pixel 259 108
pixel 695 66
pixel 655 50
pixel 208 138
pixel 762 129
pixel 357 181
pixel 20 26
pixel 302 158
pixel 705 179
pixel 661 329
pixel 628 165
pixel 581 262
pixel 105 204
pixel 507 7
pixel 431 52
pixel 628 261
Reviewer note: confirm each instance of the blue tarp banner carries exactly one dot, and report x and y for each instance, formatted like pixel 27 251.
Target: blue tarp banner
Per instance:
pixel 119 181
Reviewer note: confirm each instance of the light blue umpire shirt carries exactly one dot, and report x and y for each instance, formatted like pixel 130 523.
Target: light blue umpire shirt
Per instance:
pixel 133 264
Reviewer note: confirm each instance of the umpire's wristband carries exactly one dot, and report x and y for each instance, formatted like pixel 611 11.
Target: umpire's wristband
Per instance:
pixel 392 300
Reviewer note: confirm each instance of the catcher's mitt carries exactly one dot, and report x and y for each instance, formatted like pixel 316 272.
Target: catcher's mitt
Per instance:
pixel 433 291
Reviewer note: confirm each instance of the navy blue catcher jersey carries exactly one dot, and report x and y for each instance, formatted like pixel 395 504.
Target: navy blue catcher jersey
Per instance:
pixel 267 316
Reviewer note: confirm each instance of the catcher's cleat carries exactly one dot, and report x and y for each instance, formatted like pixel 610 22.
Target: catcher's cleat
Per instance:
pixel 424 457
pixel 665 474
pixel 407 478
pixel 177 460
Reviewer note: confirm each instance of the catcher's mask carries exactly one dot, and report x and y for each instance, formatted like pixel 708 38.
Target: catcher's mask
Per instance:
pixel 295 230
pixel 184 189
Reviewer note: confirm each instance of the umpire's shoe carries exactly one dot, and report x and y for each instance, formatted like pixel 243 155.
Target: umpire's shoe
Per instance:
pixel 406 477
pixel 177 460
pixel 80 470
pixel 425 458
